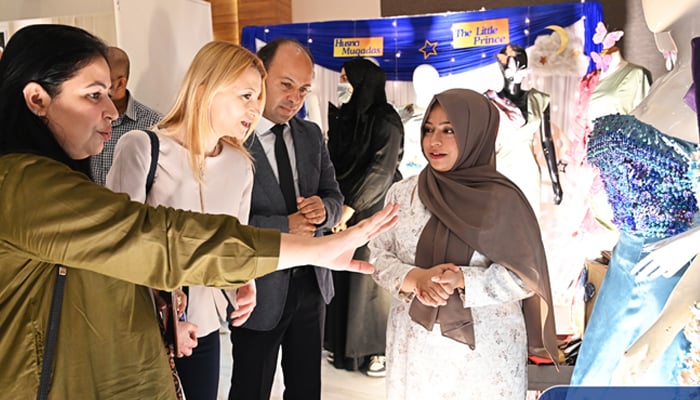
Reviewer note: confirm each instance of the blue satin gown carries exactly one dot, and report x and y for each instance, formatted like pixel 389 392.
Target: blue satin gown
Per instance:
pixel 650 182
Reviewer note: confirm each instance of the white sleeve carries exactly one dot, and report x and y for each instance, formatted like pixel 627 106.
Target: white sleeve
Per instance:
pixel 132 160
pixel 491 284
pixel 390 271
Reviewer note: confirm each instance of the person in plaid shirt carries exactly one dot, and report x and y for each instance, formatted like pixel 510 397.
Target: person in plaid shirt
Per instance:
pixel 132 114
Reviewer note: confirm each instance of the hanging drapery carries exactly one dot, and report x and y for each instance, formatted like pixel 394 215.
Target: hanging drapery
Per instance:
pixel 451 42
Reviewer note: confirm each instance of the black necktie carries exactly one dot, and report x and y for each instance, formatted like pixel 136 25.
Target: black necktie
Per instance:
pixel 284 169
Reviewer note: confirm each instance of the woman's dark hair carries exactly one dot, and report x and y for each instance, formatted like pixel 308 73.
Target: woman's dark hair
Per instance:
pixel 48 55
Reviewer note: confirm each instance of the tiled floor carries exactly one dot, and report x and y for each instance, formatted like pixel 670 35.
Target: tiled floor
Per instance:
pixel 336 384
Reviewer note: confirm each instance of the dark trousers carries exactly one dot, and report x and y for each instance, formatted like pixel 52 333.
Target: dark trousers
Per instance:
pixel 199 372
pixel 299 334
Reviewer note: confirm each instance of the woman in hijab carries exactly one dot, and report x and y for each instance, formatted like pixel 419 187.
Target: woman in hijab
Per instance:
pixel 365 143
pixel 465 265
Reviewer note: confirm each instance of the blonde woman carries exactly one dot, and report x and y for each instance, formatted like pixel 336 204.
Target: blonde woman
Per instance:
pixel 202 167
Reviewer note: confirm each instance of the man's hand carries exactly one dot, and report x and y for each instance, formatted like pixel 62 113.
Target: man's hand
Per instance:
pixel 299 225
pixel 246 299
pixel 312 209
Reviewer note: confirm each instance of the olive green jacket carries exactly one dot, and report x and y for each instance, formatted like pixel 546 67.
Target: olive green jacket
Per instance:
pixel 109 344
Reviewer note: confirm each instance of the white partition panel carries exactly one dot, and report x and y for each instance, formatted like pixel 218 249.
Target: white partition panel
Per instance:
pixel 161 38
pixel 11 10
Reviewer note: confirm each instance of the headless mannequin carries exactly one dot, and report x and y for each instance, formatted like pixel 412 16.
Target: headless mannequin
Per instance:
pixel 620 87
pixel 664 109
pixel 425 84
pixel 513 62
pixel 616 62
pixel 313 109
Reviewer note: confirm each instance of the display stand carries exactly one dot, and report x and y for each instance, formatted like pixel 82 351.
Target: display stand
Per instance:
pixel 541 377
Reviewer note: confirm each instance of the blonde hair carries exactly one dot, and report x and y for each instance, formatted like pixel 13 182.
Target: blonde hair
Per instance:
pixel 215 66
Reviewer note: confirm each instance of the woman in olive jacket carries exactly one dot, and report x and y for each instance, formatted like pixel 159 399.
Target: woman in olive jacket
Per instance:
pixel 54 113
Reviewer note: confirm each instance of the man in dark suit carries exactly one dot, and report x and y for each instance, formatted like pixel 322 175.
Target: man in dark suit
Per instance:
pixel 295 191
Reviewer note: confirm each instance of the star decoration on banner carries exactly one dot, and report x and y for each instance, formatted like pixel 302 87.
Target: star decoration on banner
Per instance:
pixel 427 53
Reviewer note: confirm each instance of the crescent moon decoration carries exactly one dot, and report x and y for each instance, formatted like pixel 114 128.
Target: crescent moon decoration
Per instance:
pixel 563 37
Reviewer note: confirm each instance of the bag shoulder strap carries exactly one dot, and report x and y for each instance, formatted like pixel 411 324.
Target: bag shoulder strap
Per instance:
pixel 52 334
pixel 59 288
pixel 155 147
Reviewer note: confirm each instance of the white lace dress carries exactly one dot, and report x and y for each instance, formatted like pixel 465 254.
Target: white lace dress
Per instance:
pixel 425 365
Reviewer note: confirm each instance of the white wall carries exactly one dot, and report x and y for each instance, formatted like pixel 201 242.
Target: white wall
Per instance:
pixel 11 10
pixel 161 38
pixel 330 10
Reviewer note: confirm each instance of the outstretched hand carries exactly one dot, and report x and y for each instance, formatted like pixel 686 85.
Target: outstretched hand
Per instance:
pixel 668 256
pixel 335 251
pixel 370 228
pixel 356 236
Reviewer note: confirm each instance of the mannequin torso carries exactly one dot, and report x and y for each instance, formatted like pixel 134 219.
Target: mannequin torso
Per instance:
pixel 664 108
pixel 616 63
pixel 679 121
pixel 619 89
pixel 426 83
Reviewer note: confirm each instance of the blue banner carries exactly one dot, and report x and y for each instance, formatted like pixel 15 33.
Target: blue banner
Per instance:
pixel 451 42
pixel 621 393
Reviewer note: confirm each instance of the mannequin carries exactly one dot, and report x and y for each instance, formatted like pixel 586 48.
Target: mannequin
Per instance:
pixel 670 256
pixel 620 87
pixel 664 108
pixel 527 112
pixel 640 356
pixel 663 130
pixel 425 85
pixel 313 109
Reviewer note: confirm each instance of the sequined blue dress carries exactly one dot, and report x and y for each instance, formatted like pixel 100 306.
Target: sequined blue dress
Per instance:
pixel 648 177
